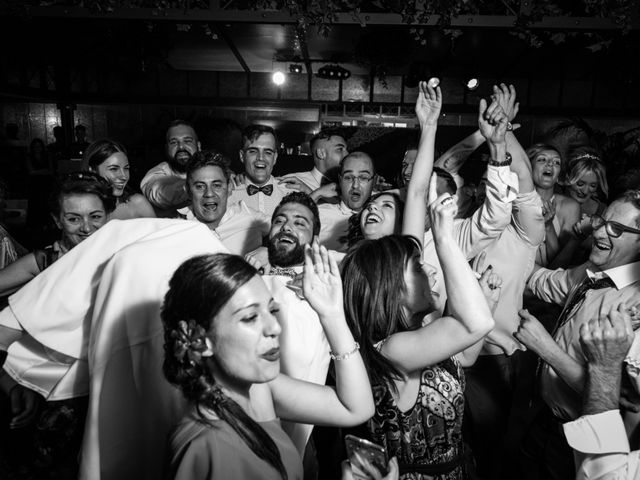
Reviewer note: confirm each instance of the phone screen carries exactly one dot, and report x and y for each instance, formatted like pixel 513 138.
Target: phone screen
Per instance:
pixel 364 455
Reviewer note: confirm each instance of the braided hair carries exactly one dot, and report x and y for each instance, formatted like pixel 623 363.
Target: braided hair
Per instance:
pixel 187 315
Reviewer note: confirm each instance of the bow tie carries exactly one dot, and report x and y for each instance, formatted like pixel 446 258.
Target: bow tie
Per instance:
pixel 284 271
pixel 266 189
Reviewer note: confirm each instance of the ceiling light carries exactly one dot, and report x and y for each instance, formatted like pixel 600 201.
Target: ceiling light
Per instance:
pixel 278 78
pixel 333 72
pixel 472 83
pixel 295 68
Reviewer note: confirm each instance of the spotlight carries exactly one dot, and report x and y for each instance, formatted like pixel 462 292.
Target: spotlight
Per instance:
pixel 472 83
pixel 295 68
pixel 333 72
pixel 278 78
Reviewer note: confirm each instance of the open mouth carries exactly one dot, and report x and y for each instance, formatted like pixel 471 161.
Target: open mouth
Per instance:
pixel 210 206
pixel 602 246
pixel 286 239
pixel 372 218
pixel 259 166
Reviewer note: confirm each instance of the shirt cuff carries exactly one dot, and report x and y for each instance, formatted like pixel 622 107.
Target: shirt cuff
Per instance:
pixel 598 434
pixel 504 181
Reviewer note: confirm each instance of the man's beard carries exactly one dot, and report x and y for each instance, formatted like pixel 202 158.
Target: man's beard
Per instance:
pixel 285 257
pixel 176 165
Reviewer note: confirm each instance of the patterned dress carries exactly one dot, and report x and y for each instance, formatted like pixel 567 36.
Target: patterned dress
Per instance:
pixel 428 433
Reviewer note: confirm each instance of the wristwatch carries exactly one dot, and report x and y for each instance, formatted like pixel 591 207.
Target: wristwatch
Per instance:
pixel 506 163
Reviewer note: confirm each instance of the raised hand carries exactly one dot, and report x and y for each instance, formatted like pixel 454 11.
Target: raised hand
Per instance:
pixel 506 97
pixel 442 209
pixel 428 104
pixel 259 259
pixel 492 121
pixel 490 282
pixel 321 283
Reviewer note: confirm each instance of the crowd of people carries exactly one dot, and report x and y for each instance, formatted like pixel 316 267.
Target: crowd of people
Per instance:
pixel 221 324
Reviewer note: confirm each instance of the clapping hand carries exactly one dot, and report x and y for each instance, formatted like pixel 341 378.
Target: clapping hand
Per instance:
pixel 428 104
pixel 321 283
pixel 492 122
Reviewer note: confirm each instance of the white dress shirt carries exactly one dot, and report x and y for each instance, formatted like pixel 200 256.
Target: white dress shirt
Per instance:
pixel 260 201
pixel 557 286
pixel 311 178
pixel 165 189
pixel 601 448
pixel 334 221
pixel 241 229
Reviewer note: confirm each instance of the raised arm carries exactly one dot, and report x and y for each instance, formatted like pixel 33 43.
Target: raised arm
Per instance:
pixel 428 107
pixel 470 318
pixel 506 97
pixel 164 191
pixel 453 159
pixel 351 403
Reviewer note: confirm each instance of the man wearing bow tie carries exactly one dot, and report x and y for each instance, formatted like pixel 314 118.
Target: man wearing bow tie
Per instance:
pixel 260 191
pixel 592 290
pixel 305 350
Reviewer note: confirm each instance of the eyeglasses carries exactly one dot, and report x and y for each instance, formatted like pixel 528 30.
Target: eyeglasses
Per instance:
pixel 613 229
pixel 361 178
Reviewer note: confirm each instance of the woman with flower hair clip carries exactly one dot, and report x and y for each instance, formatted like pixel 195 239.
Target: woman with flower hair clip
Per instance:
pixel 222 351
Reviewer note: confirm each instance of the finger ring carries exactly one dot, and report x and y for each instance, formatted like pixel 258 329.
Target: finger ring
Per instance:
pixel 509 126
pixel 446 200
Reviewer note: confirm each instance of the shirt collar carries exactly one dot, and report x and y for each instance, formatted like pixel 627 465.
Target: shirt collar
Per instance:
pixel 621 276
pixel 187 212
pixel 317 175
pixel 344 209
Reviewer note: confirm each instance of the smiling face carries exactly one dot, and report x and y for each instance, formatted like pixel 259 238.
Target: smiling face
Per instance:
pixel 245 337
pixel 356 180
pixel 258 157
pixel 609 252
pixel 379 217
pixel 115 170
pixel 585 187
pixel 546 166
pixel 291 230
pixel 182 143
pixel 80 216
pixel 208 189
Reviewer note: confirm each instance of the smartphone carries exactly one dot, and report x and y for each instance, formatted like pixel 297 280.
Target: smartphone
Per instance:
pixel 363 455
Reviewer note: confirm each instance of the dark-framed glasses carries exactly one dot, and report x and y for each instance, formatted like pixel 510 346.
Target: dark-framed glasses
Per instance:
pixel 613 229
pixel 349 178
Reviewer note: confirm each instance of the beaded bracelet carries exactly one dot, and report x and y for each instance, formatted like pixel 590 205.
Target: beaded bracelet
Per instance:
pixel 344 356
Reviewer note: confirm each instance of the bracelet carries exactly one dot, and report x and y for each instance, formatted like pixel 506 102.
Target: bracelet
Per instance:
pixel 344 356
pixel 506 163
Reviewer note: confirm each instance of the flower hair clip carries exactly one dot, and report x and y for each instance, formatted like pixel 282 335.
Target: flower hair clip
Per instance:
pixel 191 343
pixel 582 156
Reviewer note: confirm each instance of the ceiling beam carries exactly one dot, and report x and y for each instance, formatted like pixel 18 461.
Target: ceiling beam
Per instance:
pixel 345 18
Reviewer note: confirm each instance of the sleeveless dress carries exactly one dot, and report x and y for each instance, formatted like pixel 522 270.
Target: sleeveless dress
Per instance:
pixel 430 432
pixel 203 452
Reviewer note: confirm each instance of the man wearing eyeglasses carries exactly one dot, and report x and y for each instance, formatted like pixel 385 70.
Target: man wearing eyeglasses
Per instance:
pixel 592 290
pixel 355 182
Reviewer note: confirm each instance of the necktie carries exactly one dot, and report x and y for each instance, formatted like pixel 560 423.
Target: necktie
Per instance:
pixel 266 189
pixel 578 296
